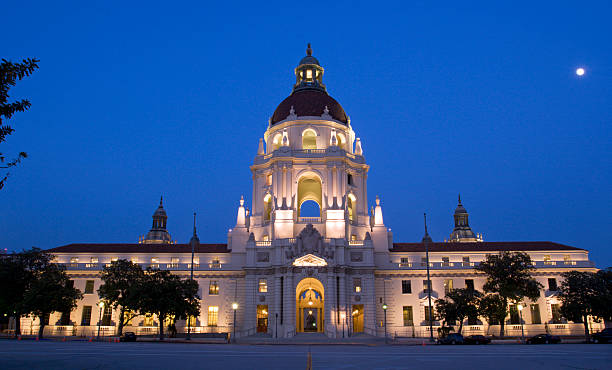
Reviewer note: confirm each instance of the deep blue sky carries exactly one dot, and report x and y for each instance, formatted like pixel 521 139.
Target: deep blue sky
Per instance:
pixel 137 100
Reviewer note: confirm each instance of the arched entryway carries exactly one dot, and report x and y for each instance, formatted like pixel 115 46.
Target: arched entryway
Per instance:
pixel 309 296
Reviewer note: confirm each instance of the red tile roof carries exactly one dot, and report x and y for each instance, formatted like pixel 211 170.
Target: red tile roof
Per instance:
pixel 483 247
pixel 138 248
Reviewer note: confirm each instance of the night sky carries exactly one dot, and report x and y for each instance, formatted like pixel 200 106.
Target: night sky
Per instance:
pixel 135 101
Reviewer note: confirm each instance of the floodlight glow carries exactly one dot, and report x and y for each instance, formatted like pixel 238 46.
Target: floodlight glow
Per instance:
pixel 580 71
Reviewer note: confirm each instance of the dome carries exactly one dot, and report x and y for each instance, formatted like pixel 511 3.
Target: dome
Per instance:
pixel 309 102
pixel 309 59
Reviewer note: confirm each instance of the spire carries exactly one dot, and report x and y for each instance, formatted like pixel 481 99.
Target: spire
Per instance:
pixel 161 201
pixel 426 237
pixel 194 239
pixel 309 50
pixel 459 198
pixel 194 225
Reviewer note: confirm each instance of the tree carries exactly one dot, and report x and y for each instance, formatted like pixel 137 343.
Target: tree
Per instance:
pixel 120 288
pixel 509 275
pixel 493 308
pixel 167 295
pixel 458 305
pixel 17 273
pixel 581 296
pixel 10 73
pixel 603 302
pixel 50 291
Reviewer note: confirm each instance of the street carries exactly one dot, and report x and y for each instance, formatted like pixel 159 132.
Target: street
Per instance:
pixel 86 355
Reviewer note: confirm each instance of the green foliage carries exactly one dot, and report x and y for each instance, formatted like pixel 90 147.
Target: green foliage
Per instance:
pixel 603 303
pixel 167 295
pixel 492 307
pixel 10 73
pixel 509 275
pixel 458 305
pixel 584 294
pixel 120 287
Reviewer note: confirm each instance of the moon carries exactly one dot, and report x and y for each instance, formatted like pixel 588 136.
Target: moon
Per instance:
pixel 580 71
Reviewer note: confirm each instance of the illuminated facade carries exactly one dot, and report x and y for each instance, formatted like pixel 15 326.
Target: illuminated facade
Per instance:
pixel 329 270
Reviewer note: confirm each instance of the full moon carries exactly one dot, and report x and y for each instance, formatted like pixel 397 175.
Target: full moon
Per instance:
pixel 580 71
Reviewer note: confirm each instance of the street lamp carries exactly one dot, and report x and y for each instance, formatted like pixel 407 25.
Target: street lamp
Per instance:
pixel 235 308
pixel 426 240
pixel 520 308
pixel 385 311
pixel 342 317
pixel 101 305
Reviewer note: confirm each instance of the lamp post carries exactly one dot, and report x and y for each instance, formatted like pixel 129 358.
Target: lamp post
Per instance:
pixel 101 305
pixel 342 317
pixel 385 311
pixel 276 325
pixel 235 308
pixel 194 240
pixel 426 242
pixel 520 308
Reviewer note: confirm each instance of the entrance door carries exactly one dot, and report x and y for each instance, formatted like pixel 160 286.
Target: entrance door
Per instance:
pixel 357 314
pixel 262 318
pixel 310 323
pixel 309 306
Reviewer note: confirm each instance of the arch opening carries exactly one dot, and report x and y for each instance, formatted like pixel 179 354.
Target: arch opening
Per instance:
pixel 309 139
pixel 267 213
pixel 309 189
pixel 310 306
pixel 351 205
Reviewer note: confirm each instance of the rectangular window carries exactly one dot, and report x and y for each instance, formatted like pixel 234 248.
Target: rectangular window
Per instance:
pixel 406 287
pixel 448 286
pixel 86 316
pixel 567 259
pixel 547 260
pixel 466 261
pixel 357 285
pixel 213 288
pixel 107 315
pixel 469 284
pixel 405 262
pixel 174 261
pixel 423 261
pixel 535 314
pixel 445 261
pixel 134 259
pixel 215 263
pixel 407 312
pixel 47 318
pixel 427 310
pixel 213 315
pixel 514 315
pixel 426 286
pixel 93 260
pixel 263 286
pixel 89 287
pixel 552 284
pixel 148 320
pixel 556 313
pixel 269 180
pixel 349 179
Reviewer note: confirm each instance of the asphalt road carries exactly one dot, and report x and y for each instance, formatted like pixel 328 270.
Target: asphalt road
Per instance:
pixel 85 355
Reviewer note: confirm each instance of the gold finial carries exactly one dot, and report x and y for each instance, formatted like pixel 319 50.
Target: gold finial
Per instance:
pixel 309 50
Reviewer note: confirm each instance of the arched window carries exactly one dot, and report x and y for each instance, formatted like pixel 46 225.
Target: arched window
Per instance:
pixel 267 207
pixel 310 208
pixel 309 139
pixel 309 188
pixel 341 140
pixel 277 141
pixel 351 205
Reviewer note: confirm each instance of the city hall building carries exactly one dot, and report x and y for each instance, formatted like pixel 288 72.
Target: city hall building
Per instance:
pixel 331 273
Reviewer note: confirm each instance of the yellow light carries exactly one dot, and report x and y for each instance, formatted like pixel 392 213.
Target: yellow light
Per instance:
pixel 235 306
pixel 101 304
pixel 310 312
pixel 520 307
pixel 310 303
pixel 342 315
pixel 580 71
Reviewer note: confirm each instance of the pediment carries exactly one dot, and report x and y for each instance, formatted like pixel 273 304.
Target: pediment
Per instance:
pixel 310 260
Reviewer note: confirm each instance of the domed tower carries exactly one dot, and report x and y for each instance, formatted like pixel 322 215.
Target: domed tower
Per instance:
pixel 462 231
pixel 309 169
pixel 158 233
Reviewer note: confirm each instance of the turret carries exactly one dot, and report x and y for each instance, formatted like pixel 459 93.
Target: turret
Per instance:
pixel 158 233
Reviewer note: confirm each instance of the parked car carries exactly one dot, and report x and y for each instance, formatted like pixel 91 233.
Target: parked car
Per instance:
pixel 453 338
pixel 544 339
pixel 604 336
pixel 128 336
pixel 476 339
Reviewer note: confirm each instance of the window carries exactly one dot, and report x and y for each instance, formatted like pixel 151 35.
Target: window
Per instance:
pixel 357 285
pixel 445 261
pixel 552 284
pixel 148 320
pixel 107 315
pixel 191 321
pixel 86 316
pixel 267 207
pixel 196 262
pixel 535 314
pixel 547 260
pixel 213 288
pixel 213 315
pixel 405 262
pixel 154 260
pixel 65 318
pixel 47 318
pixel 427 311
pixel 134 259
pixel 265 238
pixel 466 261
pixel 93 260
pixel 174 262
pixel 514 315
pixel 89 287
pixel 215 263
pixel 406 287
pixel 555 309
pixel 567 259
pixel 263 286
pixel 349 179
pixel 407 313
pixel 309 139
pixel 74 260
pixel 351 205
pixel 423 261
pixel 114 259
pixel 269 179
pixel 426 286
pixel 469 284
pixel 448 286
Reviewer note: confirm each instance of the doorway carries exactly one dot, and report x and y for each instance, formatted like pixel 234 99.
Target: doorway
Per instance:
pixel 262 318
pixel 310 306
pixel 357 314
